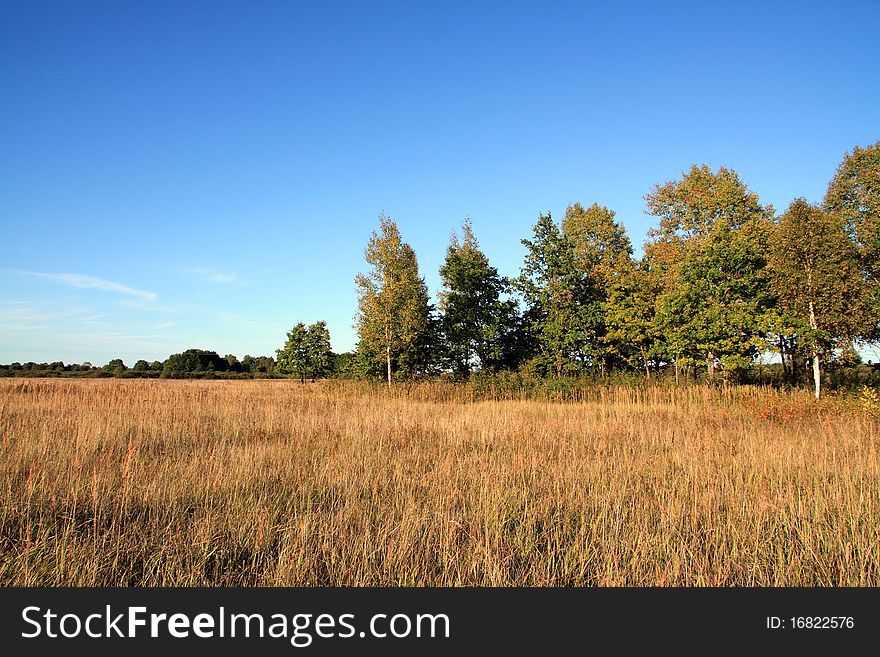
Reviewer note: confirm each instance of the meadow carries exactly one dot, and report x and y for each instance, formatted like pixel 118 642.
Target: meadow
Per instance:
pixel 265 483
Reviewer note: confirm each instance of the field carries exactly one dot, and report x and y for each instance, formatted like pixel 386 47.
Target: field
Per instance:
pixel 263 483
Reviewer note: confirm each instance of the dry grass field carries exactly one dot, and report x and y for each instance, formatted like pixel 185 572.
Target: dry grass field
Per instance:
pixel 109 482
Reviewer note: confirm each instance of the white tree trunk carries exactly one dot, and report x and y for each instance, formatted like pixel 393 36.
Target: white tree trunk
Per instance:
pixel 388 353
pixel 817 371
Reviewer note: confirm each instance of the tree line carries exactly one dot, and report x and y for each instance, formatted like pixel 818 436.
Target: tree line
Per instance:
pixel 192 363
pixel 722 281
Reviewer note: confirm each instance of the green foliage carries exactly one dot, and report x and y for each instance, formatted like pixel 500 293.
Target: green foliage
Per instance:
pixel 234 365
pixel 307 351
pixel 478 325
pixel 630 316
pixel 562 299
pixel 602 248
pixel 710 254
pixel 822 298
pixel 603 254
pixel 692 206
pixel 348 365
pixel 854 196
pixel 193 361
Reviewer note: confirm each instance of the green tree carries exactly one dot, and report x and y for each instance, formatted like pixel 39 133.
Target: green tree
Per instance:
pixel 603 253
pixel 320 350
pixel 116 366
pixel 193 361
pixel 294 357
pixel 630 312
pixel 345 365
pixel 264 364
pixel 710 254
pixel 854 196
pixel 816 277
pixel 476 322
pixel 560 299
pixel 393 309
pixel 601 245
pixel 306 352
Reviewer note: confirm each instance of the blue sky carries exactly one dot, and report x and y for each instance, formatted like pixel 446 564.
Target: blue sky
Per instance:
pixel 177 175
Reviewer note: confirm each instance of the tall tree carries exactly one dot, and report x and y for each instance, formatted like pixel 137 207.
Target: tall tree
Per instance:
pixel 477 322
pixel 854 196
pixel 319 349
pixel 560 298
pixel 710 252
pixel 306 352
pixel 603 253
pixel 393 310
pixel 816 277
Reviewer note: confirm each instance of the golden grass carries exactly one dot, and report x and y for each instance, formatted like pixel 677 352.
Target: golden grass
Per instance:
pixel 109 482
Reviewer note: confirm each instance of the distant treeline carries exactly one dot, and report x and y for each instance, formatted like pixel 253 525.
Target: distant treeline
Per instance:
pixel 196 364
pixel 192 363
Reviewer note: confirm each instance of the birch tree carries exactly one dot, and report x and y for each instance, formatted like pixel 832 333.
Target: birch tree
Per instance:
pixel 816 277
pixel 393 309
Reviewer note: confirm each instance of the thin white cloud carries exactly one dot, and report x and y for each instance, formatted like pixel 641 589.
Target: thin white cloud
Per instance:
pixel 23 320
pixel 213 276
pixel 31 314
pixel 92 282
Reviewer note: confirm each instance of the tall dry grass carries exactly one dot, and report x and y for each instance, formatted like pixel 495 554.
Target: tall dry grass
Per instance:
pixel 274 483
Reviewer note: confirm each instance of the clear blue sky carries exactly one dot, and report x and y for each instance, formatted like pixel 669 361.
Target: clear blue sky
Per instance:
pixel 186 174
